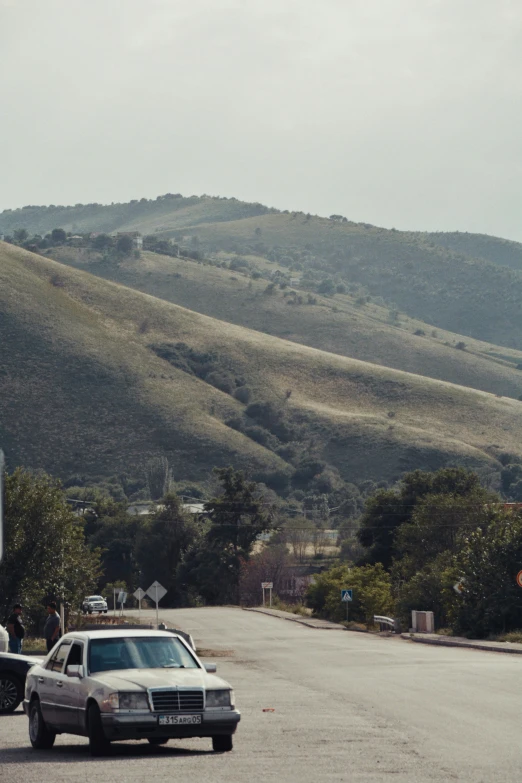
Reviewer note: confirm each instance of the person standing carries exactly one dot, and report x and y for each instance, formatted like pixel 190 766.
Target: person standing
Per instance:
pixel 16 630
pixel 52 626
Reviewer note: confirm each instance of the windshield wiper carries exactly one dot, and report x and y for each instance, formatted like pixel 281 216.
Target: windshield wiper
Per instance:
pixel 173 666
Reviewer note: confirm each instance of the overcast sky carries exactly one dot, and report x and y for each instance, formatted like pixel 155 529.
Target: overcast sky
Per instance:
pixel 402 113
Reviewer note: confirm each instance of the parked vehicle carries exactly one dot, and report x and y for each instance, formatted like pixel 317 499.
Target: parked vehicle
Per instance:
pixel 94 603
pixel 13 671
pixel 127 684
pixel 4 640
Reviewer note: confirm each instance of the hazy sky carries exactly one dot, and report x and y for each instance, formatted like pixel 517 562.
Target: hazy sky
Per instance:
pixel 402 113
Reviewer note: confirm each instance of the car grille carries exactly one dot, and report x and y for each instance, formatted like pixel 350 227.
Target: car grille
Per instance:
pixel 177 701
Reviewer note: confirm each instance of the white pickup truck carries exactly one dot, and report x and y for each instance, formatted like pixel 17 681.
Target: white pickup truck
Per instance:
pixel 94 603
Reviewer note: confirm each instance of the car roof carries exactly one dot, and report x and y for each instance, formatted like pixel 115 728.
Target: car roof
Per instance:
pixel 115 632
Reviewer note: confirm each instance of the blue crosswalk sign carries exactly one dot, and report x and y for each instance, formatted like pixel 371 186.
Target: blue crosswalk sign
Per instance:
pixel 346 595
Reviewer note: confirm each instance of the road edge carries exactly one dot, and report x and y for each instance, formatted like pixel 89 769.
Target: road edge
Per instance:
pixel 447 641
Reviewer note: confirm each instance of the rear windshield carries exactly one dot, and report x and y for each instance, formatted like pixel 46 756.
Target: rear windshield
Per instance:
pixel 139 653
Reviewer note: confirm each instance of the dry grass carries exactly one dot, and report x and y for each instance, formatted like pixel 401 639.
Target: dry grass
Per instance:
pixel 349 330
pixel 84 390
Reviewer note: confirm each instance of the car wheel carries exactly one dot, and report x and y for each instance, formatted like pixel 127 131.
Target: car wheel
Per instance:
pixel 89 611
pixel 105 611
pixel 221 743
pixel 42 738
pixel 98 743
pixel 158 740
pixel 10 693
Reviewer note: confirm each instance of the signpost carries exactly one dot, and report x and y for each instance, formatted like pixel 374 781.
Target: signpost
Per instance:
pixel 267 586
pixel 139 594
pixel 156 592
pixel 347 598
pixel 122 597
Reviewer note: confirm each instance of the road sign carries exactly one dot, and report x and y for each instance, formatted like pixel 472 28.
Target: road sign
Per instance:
pixel 267 585
pixel 122 597
pixel 156 592
pixel 139 594
pixel 346 595
pixel 519 579
pixel 459 586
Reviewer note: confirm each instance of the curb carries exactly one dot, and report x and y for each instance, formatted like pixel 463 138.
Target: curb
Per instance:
pixel 301 621
pixel 448 642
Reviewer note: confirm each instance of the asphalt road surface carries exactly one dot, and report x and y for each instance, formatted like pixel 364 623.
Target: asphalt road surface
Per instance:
pixel 346 707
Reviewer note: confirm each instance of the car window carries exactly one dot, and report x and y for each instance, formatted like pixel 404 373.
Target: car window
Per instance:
pixel 75 657
pixel 55 664
pixel 139 653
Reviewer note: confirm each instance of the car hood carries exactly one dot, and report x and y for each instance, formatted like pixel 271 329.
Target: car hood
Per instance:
pixel 31 660
pixel 141 679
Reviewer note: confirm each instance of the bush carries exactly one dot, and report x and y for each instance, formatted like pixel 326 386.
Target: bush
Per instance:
pixel 371 587
pixel 243 394
pixel 461 346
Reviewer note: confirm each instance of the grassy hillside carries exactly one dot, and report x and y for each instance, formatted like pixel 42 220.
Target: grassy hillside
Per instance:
pixel 498 251
pixel 96 377
pixel 466 283
pixel 452 291
pixel 337 324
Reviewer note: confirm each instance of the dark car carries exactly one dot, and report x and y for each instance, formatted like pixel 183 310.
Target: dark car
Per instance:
pixel 13 671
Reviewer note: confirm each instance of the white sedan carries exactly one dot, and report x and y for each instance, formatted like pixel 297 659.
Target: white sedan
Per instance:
pixel 123 684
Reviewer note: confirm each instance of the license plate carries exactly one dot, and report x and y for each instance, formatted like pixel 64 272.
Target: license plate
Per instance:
pixel 179 720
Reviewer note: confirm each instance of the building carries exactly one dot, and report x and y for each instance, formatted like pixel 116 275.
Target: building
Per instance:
pixel 137 239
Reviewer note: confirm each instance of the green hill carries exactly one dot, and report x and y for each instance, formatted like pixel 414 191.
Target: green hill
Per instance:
pixel 468 284
pixel 337 324
pixel 97 377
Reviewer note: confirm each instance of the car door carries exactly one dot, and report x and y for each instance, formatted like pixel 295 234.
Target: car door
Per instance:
pixel 69 701
pixel 50 684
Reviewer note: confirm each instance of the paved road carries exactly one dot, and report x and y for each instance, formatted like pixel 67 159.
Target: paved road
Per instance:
pixel 347 707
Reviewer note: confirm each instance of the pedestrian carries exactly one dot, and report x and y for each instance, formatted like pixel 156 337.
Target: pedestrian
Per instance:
pixel 16 630
pixel 52 626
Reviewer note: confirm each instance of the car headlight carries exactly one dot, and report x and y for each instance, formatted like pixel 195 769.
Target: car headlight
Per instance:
pixel 220 698
pixel 128 701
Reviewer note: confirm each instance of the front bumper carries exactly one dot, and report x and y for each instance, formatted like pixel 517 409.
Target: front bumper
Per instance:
pixel 127 726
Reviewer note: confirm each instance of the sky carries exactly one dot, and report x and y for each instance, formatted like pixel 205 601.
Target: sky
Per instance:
pixel 399 113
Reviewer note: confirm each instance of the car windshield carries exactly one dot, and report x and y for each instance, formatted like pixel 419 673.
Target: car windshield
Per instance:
pixel 139 653
pixel 95 598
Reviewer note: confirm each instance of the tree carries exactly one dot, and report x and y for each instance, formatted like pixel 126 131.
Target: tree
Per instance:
pixel 387 510
pixel 266 566
pixel 124 245
pixel 161 544
pixel 159 477
pixel 487 564
pixel 58 236
pixel 299 533
pixel 102 242
pixel 236 518
pixel 45 551
pixel 20 235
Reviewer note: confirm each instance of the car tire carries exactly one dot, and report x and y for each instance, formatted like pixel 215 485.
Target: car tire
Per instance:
pixel 89 611
pixel 221 743
pixel 99 745
pixel 11 693
pixel 105 611
pixel 41 737
pixel 158 740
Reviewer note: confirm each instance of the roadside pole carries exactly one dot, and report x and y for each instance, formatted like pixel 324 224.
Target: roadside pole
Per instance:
pixel 347 598
pixel 156 592
pixel 139 594
pixel 267 586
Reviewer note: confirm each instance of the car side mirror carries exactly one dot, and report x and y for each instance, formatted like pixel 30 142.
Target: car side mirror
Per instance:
pixel 210 668
pixel 74 671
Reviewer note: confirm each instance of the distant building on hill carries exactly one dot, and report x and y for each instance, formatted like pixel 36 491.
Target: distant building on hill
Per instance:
pixel 137 239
